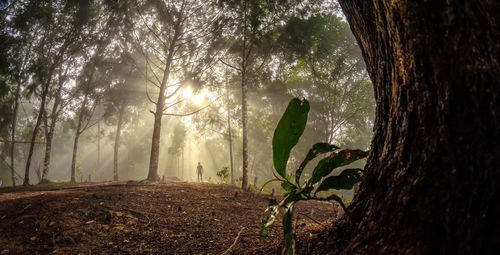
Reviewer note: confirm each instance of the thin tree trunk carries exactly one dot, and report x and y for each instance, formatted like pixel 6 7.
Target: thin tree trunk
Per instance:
pixel 158 114
pixel 13 134
pixel 98 145
pixel 229 133
pixel 77 137
pixel 50 134
pixel 244 103
pixel 45 91
pixel 433 172
pixel 117 143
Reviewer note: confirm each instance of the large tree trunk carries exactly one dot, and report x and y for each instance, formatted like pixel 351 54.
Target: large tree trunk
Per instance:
pixel 117 143
pixel 434 168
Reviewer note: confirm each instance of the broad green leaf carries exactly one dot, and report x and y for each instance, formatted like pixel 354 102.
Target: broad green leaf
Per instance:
pixel 326 165
pixel 288 234
pixel 315 151
pixel 344 180
pixel 287 133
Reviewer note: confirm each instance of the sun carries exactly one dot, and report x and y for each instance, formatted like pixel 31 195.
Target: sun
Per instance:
pixel 197 98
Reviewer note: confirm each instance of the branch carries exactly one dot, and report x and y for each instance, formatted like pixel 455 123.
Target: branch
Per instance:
pixel 319 223
pixel 185 114
pixel 234 243
pixel 229 65
pixel 336 199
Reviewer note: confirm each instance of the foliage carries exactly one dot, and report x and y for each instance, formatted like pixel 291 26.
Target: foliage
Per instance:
pixel 223 174
pixel 287 133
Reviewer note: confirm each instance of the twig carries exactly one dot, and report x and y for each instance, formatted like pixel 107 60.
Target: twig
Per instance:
pixel 234 243
pixel 312 219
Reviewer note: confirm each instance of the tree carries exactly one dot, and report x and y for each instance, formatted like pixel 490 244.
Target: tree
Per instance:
pixel 327 67
pixel 51 120
pixel 180 47
pixel 62 26
pixel 122 95
pixel 95 75
pixel 433 171
pixel 249 22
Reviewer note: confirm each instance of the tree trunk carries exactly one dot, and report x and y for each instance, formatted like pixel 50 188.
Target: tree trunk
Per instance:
pixel 229 133
pixel 45 91
pixel 13 134
pixel 244 103
pixel 50 134
pixel 98 145
pixel 77 137
pixel 433 172
pixel 160 105
pixel 117 143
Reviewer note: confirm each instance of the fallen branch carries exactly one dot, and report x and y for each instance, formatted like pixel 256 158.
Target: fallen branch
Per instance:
pixel 234 243
pixel 303 214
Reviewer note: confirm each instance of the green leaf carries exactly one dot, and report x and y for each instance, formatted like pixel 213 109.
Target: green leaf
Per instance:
pixel 271 218
pixel 288 186
pixel 288 234
pixel 345 180
pixel 269 181
pixel 291 198
pixel 326 165
pixel 315 151
pixel 287 133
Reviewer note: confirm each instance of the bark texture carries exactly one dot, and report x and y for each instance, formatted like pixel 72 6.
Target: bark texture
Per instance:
pixel 434 168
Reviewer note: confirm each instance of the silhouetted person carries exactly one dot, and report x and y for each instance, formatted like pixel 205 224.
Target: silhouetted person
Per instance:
pixel 199 171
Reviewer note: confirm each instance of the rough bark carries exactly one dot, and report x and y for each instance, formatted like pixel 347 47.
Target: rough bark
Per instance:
pixel 117 143
pixel 434 169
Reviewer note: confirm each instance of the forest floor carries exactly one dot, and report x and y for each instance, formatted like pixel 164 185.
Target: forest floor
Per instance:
pixel 139 218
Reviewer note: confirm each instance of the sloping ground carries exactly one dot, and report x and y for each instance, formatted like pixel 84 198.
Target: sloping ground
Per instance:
pixel 135 218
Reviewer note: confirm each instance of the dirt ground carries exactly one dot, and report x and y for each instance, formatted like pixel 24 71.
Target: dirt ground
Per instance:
pixel 138 218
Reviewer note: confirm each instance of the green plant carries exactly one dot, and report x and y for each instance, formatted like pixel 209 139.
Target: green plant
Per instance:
pixel 223 174
pixel 286 136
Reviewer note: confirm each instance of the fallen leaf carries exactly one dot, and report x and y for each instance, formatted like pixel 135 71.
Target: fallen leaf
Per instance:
pixel 101 203
pixel 33 238
pixel 90 222
pixel 5 251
